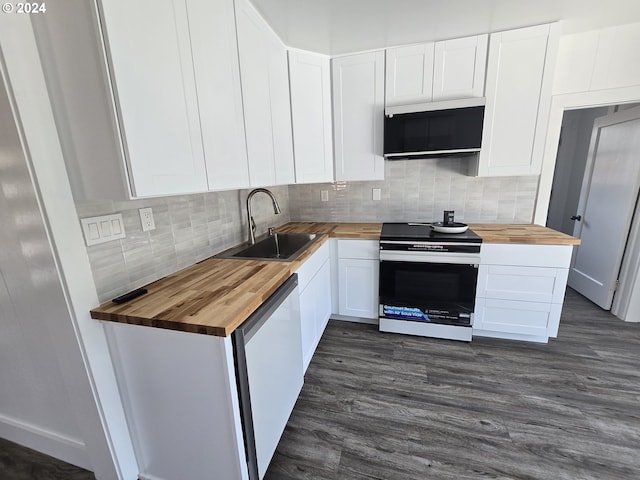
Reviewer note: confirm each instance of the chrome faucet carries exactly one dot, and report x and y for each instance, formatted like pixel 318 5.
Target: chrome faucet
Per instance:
pixel 250 222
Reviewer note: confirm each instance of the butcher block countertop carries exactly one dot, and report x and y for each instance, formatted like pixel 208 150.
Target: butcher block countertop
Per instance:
pixel 529 234
pixel 490 232
pixel 212 297
pixel 216 295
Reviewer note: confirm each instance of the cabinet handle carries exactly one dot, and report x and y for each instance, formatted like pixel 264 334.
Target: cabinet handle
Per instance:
pixel 577 217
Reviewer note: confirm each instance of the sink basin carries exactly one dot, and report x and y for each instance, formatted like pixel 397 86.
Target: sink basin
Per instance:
pixel 283 247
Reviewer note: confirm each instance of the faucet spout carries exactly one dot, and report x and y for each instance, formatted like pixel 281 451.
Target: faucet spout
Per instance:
pixel 250 221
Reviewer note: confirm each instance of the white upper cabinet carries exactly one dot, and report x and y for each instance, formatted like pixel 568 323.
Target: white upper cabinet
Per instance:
pixel 358 113
pixel 409 74
pixel 310 79
pixel 518 98
pixel 446 70
pixel 152 71
pixel 459 68
pixel 215 60
pixel 265 92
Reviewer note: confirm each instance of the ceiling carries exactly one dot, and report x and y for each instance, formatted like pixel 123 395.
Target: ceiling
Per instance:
pixel 336 27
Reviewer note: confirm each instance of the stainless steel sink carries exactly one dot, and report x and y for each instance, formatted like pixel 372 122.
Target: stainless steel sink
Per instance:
pixel 283 247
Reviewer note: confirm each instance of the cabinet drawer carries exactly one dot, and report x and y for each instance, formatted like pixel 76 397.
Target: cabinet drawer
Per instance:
pixel 311 266
pixel 520 318
pixel 365 249
pixel 531 284
pixel 558 256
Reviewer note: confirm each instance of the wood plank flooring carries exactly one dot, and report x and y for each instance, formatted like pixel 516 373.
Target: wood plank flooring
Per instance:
pixel 395 407
pixel 21 463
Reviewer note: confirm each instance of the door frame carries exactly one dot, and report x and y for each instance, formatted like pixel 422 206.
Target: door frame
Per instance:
pixel 616 118
pixel 573 101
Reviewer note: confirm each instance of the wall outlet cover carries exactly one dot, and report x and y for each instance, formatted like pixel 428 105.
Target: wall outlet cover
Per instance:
pixel 102 229
pixel 146 218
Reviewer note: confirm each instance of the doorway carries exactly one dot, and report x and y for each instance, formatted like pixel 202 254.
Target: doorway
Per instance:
pixel 594 192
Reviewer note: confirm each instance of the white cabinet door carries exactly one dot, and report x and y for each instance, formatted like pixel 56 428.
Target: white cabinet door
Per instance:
pixel 358 281
pixel 310 78
pixel 358 108
pixel 409 74
pixel 265 92
pixel 521 290
pixel 281 113
pixel 151 66
pixel 459 68
pixel 217 74
pixel 315 310
pixel 518 98
pixel 514 319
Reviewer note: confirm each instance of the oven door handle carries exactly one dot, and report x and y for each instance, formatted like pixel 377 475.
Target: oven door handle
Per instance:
pixel 422 257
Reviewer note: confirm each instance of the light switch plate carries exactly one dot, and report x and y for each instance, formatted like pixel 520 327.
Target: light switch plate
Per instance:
pixel 102 229
pixel 324 195
pixel 377 194
pixel 146 218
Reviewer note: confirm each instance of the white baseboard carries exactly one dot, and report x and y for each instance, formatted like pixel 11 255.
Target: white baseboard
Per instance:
pixel 510 336
pixel 346 318
pixel 54 444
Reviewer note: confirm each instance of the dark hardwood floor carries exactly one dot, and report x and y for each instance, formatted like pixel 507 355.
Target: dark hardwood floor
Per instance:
pixel 20 463
pixel 395 407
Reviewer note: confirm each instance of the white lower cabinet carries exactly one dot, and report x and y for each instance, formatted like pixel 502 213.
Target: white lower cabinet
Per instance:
pixel 314 278
pixel 358 274
pixel 521 290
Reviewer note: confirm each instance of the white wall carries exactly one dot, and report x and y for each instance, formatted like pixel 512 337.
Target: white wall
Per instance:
pixel 35 405
pixel 78 341
pixel 594 69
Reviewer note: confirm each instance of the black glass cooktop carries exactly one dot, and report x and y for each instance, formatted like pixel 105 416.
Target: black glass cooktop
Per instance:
pixel 424 232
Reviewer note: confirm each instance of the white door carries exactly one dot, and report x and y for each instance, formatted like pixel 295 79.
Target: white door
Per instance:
pixel 607 201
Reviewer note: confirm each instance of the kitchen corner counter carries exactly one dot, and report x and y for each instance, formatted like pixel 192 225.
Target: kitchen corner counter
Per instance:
pixel 212 297
pixel 216 295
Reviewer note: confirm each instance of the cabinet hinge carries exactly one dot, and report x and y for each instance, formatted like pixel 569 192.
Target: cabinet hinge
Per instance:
pixel 616 284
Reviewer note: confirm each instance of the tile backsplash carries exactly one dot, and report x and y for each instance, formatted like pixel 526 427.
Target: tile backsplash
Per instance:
pixel 189 228
pixel 419 190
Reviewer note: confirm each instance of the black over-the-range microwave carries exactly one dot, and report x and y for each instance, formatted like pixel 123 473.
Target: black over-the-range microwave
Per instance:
pixel 443 128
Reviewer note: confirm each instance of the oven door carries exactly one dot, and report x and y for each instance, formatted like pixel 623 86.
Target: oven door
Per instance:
pixel 428 292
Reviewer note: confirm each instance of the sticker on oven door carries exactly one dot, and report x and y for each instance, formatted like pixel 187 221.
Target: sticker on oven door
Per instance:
pixel 408 313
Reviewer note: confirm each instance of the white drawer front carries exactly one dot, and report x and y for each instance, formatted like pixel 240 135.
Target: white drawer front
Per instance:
pixel 365 249
pixel 522 318
pixel 311 265
pixel 531 284
pixel 558 256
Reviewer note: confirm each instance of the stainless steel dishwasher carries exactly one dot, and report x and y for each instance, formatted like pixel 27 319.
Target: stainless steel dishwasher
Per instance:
pixel 269 372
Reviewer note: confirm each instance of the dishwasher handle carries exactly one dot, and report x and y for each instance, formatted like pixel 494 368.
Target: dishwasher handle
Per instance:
pixel 253 323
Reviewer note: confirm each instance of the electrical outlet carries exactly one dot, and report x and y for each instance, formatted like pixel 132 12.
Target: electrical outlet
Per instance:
pixel 377 194
pixel 324 195
pixel 146 218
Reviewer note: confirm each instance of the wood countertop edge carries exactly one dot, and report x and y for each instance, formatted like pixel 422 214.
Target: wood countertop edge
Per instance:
pixel 243 312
